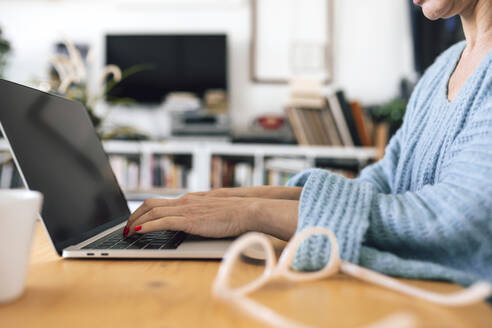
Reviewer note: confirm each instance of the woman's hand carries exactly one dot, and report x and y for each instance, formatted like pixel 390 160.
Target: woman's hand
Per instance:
pixel 216 217
pixel 272 192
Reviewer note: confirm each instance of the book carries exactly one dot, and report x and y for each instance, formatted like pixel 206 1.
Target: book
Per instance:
pixel 381 139
pixel 227 174
pixel 331 121
pixel 317 102
pixel 118 164
pixel 358 116
pixel 322 137
pixel 162 171
pixel 231 171
pixel 370 128
pixel 296 122
pixel 157 171
pixel 306 88
pixel 349 118
pixel 167 177
pixel 305 104
pixel 243 175
pixel 339 119
pixel 133 171
pixel 307 126
pixel 310 128
pixel 330 127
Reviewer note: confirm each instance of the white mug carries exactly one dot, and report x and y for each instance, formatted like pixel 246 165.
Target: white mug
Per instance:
pixel 18 212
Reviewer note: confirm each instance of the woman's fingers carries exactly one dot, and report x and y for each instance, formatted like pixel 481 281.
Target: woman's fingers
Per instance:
pixel 175 223
pixel 149 204
pixel 205 216
pixel 142 209
pixel 153 214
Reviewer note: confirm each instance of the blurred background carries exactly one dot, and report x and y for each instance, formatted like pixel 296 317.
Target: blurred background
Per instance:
pixel 230 92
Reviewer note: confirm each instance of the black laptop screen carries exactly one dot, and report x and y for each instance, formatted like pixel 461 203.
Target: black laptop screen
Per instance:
pixel 60 155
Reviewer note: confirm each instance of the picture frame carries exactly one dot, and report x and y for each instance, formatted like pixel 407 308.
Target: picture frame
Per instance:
pixel 302 35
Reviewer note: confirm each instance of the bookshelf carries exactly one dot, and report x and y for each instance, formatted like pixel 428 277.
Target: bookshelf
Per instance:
pixel 193 165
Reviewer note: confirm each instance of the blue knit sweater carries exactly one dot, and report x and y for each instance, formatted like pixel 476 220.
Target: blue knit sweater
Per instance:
pixel 425 210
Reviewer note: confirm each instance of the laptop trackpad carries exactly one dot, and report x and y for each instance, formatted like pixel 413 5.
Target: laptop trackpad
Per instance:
pixel 216 248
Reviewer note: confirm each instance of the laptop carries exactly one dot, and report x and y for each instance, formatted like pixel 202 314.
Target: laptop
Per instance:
pixel 57 152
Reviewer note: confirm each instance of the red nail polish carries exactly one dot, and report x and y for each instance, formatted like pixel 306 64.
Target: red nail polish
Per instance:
pixel 126 231
pixel 137 228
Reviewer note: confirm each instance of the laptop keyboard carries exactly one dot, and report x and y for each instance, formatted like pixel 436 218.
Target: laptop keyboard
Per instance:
pixel 151 240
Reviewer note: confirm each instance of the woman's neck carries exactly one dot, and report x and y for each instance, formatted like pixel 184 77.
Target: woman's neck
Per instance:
pixel 477 24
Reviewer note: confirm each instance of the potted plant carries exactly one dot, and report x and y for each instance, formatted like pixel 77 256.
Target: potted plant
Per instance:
pixel 391 113
pixel 71 82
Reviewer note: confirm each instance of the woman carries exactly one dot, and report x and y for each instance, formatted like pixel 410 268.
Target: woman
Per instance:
pixel 424 211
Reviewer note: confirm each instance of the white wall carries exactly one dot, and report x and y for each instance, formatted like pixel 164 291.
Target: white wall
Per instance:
pixel 372 41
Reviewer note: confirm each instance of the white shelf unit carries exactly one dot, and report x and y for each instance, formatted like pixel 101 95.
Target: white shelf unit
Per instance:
pixel 201 153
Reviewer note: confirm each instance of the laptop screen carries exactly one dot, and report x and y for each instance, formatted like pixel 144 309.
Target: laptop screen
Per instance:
pixel 60 155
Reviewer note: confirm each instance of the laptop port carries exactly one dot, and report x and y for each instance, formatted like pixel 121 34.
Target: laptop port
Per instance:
pixel 104 254
pixel 90 254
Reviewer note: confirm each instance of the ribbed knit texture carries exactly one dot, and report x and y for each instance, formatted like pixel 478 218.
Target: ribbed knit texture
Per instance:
pixel 425 210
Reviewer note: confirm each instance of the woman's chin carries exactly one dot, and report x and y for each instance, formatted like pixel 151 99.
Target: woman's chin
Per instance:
pixel 435 9
pixel 431 16
pixel 432 13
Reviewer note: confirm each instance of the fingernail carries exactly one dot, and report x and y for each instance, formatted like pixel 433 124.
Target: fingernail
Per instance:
pixel 137 228
pixel 126 231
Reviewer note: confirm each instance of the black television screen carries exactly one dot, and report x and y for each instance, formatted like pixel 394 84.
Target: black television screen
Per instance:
pixel 179 62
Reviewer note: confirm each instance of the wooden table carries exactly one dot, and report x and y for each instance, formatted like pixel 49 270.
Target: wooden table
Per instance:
pixel 170 293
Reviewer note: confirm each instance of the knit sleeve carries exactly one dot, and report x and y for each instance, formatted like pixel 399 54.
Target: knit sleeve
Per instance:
pixel 444 223
pixel 381 174
pixel 334 202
